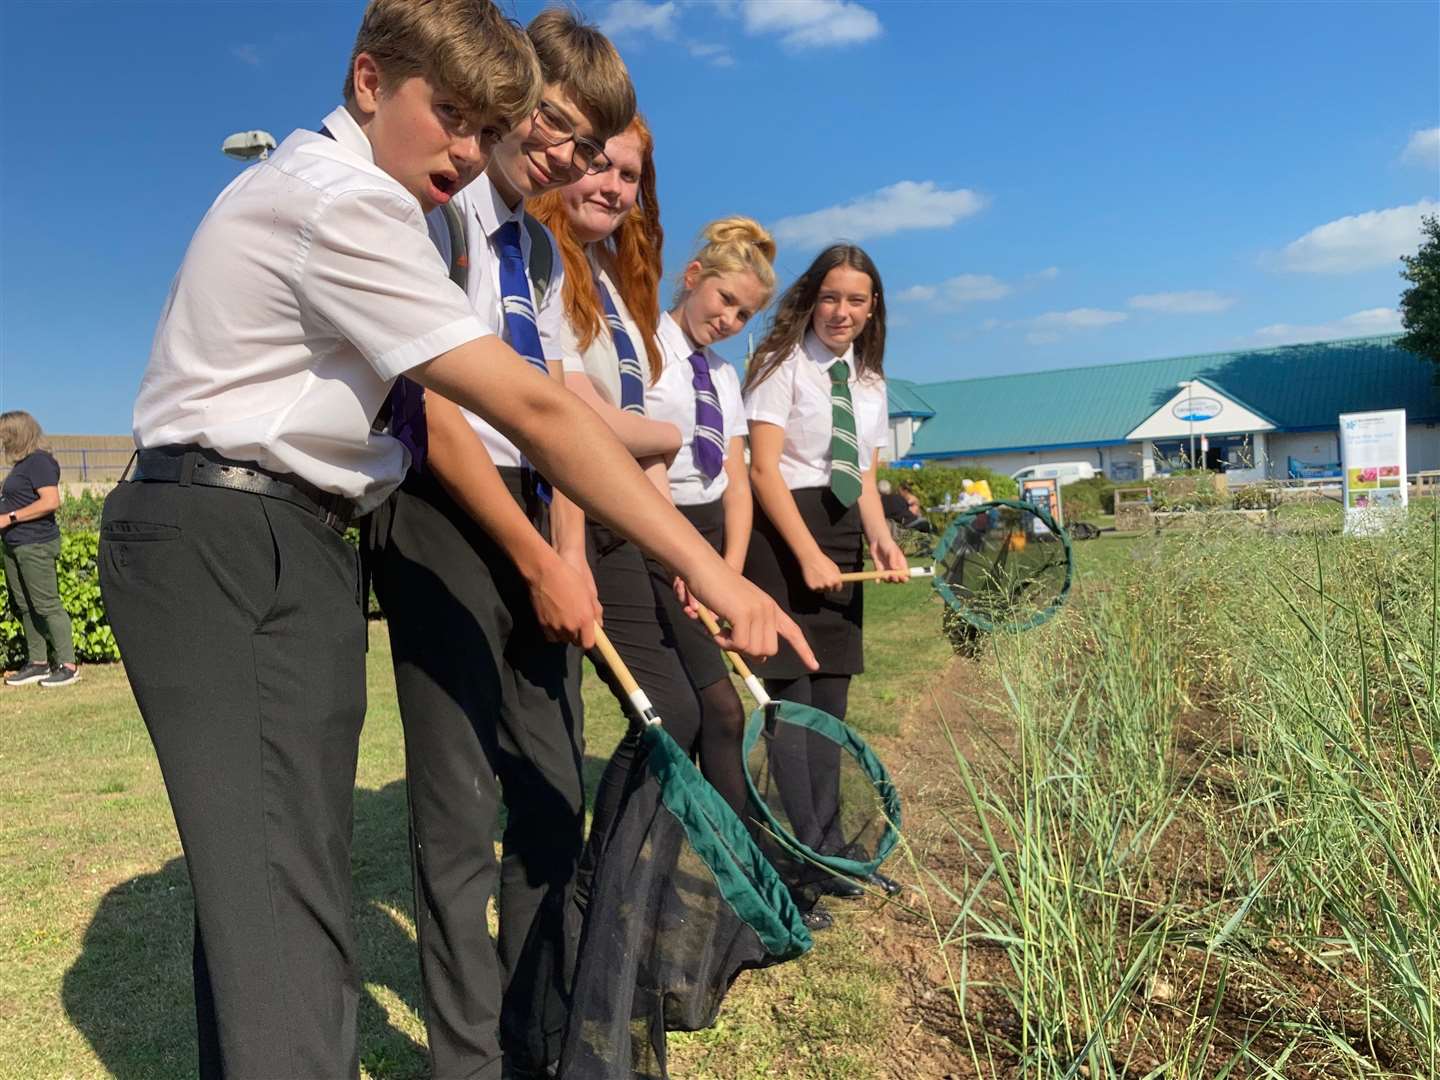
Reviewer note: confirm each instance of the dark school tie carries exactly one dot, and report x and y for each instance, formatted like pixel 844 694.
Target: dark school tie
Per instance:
pixel 519 308
pixel 632 376
pixel 708 446
pixel 844 447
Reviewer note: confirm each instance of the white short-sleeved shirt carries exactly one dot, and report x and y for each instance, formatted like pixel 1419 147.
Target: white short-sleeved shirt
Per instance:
pixel 672 399
pixel 600 360
pixel 484 211
pixel 796 397
pixel 309 285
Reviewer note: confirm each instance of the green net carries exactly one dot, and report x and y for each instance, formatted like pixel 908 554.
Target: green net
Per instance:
pixel 681 903
pixel 826 805
pixel 1004 566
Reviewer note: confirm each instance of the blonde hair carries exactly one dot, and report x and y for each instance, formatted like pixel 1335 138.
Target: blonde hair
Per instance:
pixel 581 60
pixel 731 245
pixel 20 435
pixel 465 47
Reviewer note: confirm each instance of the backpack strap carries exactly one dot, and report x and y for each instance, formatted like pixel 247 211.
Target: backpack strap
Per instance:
pixel 541 264
pixel 459 253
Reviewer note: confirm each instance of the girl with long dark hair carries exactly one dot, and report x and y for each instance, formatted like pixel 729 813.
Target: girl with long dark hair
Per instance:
pixel 816 402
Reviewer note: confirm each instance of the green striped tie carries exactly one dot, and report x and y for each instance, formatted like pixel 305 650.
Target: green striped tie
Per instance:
pixel 844 448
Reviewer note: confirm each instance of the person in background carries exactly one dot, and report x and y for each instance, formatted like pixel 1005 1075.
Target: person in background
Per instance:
pixel 902 507
pixel 31 541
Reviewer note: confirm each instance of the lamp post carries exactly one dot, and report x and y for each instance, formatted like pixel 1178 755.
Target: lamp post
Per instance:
pixel 248 146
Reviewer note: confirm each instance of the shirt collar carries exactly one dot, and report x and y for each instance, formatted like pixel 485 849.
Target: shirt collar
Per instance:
pixel 674 340
pixel 490 208
pixel 349 134
pixel 824 358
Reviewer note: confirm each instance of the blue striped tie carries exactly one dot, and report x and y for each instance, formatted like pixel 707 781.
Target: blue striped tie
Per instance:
pixel 632 376
pixel 708 445
pixel 519 307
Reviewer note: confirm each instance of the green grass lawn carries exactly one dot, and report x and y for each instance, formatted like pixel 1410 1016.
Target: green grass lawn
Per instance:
pixel 95 908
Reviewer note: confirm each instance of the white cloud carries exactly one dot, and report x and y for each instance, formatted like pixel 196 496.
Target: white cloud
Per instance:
pixel 1050 273
pixel 904 206
pixel 1084 318
pixel 717 55
pixel 1423 148
pixel 804 24
pixel 1367 323
pixel 246 54
pixel 635 18
pixel 957 291
pixel 1041 337
pixel 1196 302
pixel 1357 242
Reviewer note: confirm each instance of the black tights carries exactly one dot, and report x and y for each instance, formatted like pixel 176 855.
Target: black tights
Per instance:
pixel 807 765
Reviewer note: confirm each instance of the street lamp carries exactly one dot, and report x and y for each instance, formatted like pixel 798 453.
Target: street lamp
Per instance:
pixel 248 146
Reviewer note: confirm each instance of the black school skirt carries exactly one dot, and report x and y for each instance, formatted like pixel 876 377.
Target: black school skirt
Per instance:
pixel 702 659
pixel 831 622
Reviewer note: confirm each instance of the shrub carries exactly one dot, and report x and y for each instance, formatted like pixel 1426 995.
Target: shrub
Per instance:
pixel 80 513
pixel 1085 500
pixel 80 593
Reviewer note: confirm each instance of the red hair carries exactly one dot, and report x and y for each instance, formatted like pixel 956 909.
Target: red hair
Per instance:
pixel 631 254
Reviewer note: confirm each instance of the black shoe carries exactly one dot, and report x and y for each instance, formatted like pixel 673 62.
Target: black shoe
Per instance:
pixel 61 676
pixel 31 672
pixel 843 888
pixel 888 885
pixel 817 918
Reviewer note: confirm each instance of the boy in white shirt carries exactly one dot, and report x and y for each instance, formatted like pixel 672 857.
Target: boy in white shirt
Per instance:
pixel 482 611
pixel 308 287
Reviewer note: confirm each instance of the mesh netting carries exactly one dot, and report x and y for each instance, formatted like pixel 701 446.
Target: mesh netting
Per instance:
pixel 825 802
pixel 681 903
pixel 1004 566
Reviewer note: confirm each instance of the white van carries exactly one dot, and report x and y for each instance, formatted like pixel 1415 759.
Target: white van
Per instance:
pixel 1063 471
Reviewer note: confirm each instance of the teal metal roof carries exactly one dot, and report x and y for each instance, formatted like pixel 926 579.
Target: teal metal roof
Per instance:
pixel 1299 387
pixel 905 399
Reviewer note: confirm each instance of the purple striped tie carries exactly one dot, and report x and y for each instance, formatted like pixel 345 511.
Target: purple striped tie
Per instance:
pixel 708 446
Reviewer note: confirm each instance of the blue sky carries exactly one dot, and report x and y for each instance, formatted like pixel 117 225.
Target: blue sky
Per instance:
pixel 1041 185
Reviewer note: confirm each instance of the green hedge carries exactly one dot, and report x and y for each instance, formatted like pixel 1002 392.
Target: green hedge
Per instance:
pixel 80 593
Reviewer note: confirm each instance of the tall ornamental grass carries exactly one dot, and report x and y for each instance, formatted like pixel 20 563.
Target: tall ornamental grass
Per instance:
pixel 1207 841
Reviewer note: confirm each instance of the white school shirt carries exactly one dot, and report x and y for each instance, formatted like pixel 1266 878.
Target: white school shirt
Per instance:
pixel 599 360
pixel 672 399
pixel 796 397
pixel 310 284
pixel 484 211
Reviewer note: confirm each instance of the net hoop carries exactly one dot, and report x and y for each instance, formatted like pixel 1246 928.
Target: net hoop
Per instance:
pixel 961 608
pixel 828 727
pixel 745 878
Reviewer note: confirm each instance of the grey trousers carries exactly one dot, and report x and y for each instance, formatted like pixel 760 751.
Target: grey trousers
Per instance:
pixel 238 619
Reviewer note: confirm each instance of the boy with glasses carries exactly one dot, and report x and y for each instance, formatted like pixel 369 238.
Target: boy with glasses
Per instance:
pixel 483 611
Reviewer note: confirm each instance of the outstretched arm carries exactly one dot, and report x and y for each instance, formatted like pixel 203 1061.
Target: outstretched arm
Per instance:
pixel 576 451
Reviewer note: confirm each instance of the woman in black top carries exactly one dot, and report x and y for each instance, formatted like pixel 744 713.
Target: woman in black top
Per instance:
pixel 31 542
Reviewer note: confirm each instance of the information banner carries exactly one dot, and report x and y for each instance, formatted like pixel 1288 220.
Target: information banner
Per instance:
pixel 1043 492
pixel 1372 457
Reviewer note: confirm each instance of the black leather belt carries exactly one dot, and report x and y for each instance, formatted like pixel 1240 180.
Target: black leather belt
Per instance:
pixel 197 465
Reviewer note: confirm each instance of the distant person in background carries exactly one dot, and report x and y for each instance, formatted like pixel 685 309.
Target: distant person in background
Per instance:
pixel 31 541
pixel 904 511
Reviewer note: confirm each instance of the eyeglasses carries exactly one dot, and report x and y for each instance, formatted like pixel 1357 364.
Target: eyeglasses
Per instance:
pixel 556 129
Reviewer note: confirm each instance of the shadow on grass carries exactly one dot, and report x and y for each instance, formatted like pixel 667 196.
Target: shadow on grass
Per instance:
pixel 130 991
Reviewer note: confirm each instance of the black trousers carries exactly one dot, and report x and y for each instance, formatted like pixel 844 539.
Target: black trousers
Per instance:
pixel 492 720
pixel 239 621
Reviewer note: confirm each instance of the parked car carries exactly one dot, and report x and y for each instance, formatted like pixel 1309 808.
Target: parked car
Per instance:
pixel 1063 471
